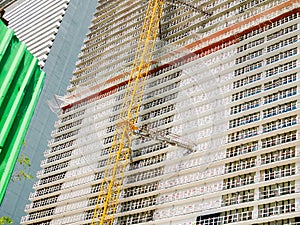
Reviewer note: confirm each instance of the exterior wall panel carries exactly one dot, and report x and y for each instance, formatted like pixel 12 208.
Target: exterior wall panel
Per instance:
pixel 21 82
pixel 224 82
pixel 35 21
pixel 60 56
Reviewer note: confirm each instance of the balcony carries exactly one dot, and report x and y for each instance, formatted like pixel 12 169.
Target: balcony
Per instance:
pixel 238 199
pixel 278 156
pixel 242 165
pixel 276 210
pixel 238 181
pixel 277 192
pixel 237 217
pixel 280 173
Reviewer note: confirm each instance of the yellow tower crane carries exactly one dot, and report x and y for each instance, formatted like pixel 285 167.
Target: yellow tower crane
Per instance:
pixel 120 152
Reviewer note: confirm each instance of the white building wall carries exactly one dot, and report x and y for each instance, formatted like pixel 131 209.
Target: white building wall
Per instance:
pixel 241 166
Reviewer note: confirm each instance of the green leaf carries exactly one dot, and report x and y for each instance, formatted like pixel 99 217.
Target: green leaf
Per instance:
pixel 5 220
pixel 25 162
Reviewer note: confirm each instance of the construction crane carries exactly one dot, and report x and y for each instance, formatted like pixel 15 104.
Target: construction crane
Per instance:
pixel 126 128
pixel 118 159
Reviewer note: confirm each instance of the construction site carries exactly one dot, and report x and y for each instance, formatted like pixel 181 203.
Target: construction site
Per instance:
pixel 178 113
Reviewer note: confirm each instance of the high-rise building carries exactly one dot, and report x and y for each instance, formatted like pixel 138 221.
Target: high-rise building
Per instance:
pixel 6 3
pixel 36 23
pixel 21 82
pixel 223 88
pixel 58 66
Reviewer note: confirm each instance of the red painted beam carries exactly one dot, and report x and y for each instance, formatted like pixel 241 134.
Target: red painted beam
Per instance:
pixel 193 55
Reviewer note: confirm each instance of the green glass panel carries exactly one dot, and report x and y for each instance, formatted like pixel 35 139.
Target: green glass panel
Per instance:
pixel 21 81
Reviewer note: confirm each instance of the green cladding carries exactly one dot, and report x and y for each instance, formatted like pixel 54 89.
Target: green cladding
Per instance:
pixel 21 82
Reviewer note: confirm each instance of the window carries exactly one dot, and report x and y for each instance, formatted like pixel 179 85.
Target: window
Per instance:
pixel 249 56
pixel 280 81
pixel 278 155
pixel 291 221
pixel 247 80
pixel 162 90
pixel 72 116
pixel 108 140
pixel 281 68
pixel 280 109
pixel 42 213
pixel 138 203
pixel 241 149
pixel 145 175
pixel 65 136
pixel 277 189
pixel 238 197
pixel 276 208
pixel 160 101
pixel 46 201
pixel 68 126
pixel 141 189
pixel 250 45
pixel 280 95
pixel 281 32
pixel 52 178
pixel 149 149
pixel 237 181
pixel 244 120
pixel 248 68
pixel 247 133
pixel 281 55
pixel 56 167
pixel 47 190
pixel 231 216
pixel 147 162
pixel 157 112
pixel 240 164
pixel 59 156
pixel 278 172
pixel 282 43
pixel 141 217
pixel 280 123
pixel 279 139
pixel 246 93
pixel 61 146
pixel 163 79
pixel 244 106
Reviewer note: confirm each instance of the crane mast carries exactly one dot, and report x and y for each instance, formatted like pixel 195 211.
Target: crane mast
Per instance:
pixel 120 152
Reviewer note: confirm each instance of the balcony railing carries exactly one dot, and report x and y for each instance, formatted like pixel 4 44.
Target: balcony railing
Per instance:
pixel 281 209
pixel 278 174
pixel 244 216
pixel 277 192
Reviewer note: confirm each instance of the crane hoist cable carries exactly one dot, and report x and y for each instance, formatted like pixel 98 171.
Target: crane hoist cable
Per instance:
pixel 120 152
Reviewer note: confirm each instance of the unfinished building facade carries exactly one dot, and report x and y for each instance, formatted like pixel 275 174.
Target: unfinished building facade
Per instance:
pixel 224 81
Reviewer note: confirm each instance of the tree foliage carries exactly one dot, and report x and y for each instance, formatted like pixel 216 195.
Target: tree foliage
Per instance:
pixel 5 220
pixel 24 162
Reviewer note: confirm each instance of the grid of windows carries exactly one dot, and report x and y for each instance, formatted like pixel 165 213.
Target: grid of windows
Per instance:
pixel 238 113
pixel 276 127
